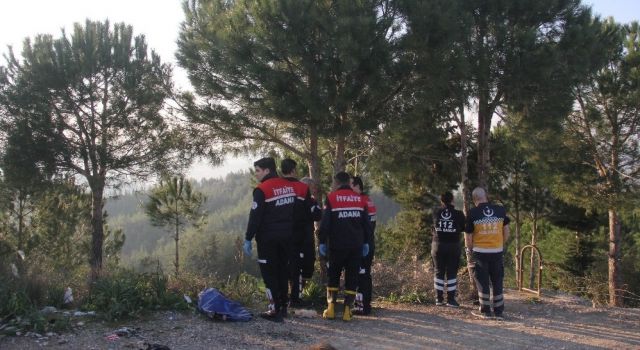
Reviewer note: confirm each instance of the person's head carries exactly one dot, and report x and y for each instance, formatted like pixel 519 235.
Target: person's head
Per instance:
pixel 288 167
pixel 479 195
pixel 357 185
pixel 341 179
pixel 446 198
pixel 264 167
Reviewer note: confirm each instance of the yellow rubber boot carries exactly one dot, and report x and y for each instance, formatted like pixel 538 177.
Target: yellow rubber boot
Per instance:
pixel 349 297
pixel 330 312
pixel 346 316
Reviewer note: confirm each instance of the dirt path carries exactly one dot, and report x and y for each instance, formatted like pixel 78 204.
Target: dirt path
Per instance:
pixel 553 323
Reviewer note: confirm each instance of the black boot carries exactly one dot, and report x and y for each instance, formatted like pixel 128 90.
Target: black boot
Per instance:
pixel 272 314
pixel 451 299
pixel 439 298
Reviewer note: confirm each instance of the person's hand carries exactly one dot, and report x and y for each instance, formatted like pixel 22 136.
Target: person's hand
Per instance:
pixel 323 249
pixel 365 249
pixel 247 248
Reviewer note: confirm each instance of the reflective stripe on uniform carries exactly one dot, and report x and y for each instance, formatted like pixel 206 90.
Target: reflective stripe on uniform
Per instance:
pixel 280 197
pixel 344 209
pixel 438 283
pixel 487 250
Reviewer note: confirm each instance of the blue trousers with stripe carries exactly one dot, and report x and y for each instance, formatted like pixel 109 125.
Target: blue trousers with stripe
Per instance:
pixel 489 277
pixel 446 261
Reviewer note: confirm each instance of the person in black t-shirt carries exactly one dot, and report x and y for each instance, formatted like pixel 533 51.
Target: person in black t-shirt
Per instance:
pixel 446 248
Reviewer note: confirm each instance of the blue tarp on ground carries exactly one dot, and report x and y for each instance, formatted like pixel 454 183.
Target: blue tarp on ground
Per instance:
pixel 217 306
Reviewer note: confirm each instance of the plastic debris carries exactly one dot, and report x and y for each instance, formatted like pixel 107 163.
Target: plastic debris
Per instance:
pixel 125 332
pixel 48 310
pixel 112 337
pixel 14 270
pixel 152 346
pixel 217 306
pixel 68 296
pixel 306 313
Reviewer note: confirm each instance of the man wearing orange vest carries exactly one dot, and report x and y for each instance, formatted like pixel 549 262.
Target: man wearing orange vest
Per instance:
pixel 487 231
pixel 271 223
pixel 365 284
pixel 345 228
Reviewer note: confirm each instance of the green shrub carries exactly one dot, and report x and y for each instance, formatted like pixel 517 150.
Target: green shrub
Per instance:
pixel 244 288
pixel 314 293
pixel 410 298
pixel 124 294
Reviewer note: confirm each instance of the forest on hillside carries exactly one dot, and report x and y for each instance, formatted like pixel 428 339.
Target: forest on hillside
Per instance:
pixel 206 249
pixel 538 102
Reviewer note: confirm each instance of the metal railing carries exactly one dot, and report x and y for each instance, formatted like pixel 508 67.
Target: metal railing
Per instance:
pixel 539 275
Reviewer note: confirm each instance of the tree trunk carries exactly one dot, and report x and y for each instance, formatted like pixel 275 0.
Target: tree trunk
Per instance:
pixel 315 173
pixel 517 243
pixel 177 263
pixel 615 285
pixel 313 162
pixel 518 223
pixel 177 239
pixel 20 221
pixel 534 238
pixel 340 163
pixel 466 196
pixel 97 231
pixel 484 131
pixel 464 164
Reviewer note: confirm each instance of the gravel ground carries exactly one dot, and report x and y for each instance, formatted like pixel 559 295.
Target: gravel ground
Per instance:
pixel 558 322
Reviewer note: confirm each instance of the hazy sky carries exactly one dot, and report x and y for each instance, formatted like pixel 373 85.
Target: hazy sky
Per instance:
pixel 159 21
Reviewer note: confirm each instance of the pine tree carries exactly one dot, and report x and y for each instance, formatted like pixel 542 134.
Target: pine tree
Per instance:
pixel 288 73
pixel 98 97
pixel 603 132
pixel 173 204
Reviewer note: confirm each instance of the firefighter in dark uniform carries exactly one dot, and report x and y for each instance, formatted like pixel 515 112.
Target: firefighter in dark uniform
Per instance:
pixel 487 231
pixel 271 223
pixel 308 252
pixel 302 220
pixel 346 230
pixel 446 248
pixel 365 284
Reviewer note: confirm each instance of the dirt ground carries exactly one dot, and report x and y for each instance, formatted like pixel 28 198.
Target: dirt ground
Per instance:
pixel 553 322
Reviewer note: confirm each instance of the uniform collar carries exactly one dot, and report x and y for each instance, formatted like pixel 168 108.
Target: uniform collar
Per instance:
pixel 269 176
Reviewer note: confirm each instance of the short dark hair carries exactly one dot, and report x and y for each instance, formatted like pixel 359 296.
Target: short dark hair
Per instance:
pixel 266 163
pixel 357 181
pixel 446 197
pixel 288 165
pixel 342 178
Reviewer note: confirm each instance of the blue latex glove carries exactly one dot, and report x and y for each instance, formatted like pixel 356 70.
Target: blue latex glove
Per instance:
pixel 365 249
pixel 247 248
pixel 323 249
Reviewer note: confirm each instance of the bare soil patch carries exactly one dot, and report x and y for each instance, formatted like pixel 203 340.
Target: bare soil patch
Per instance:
pixel 553 322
